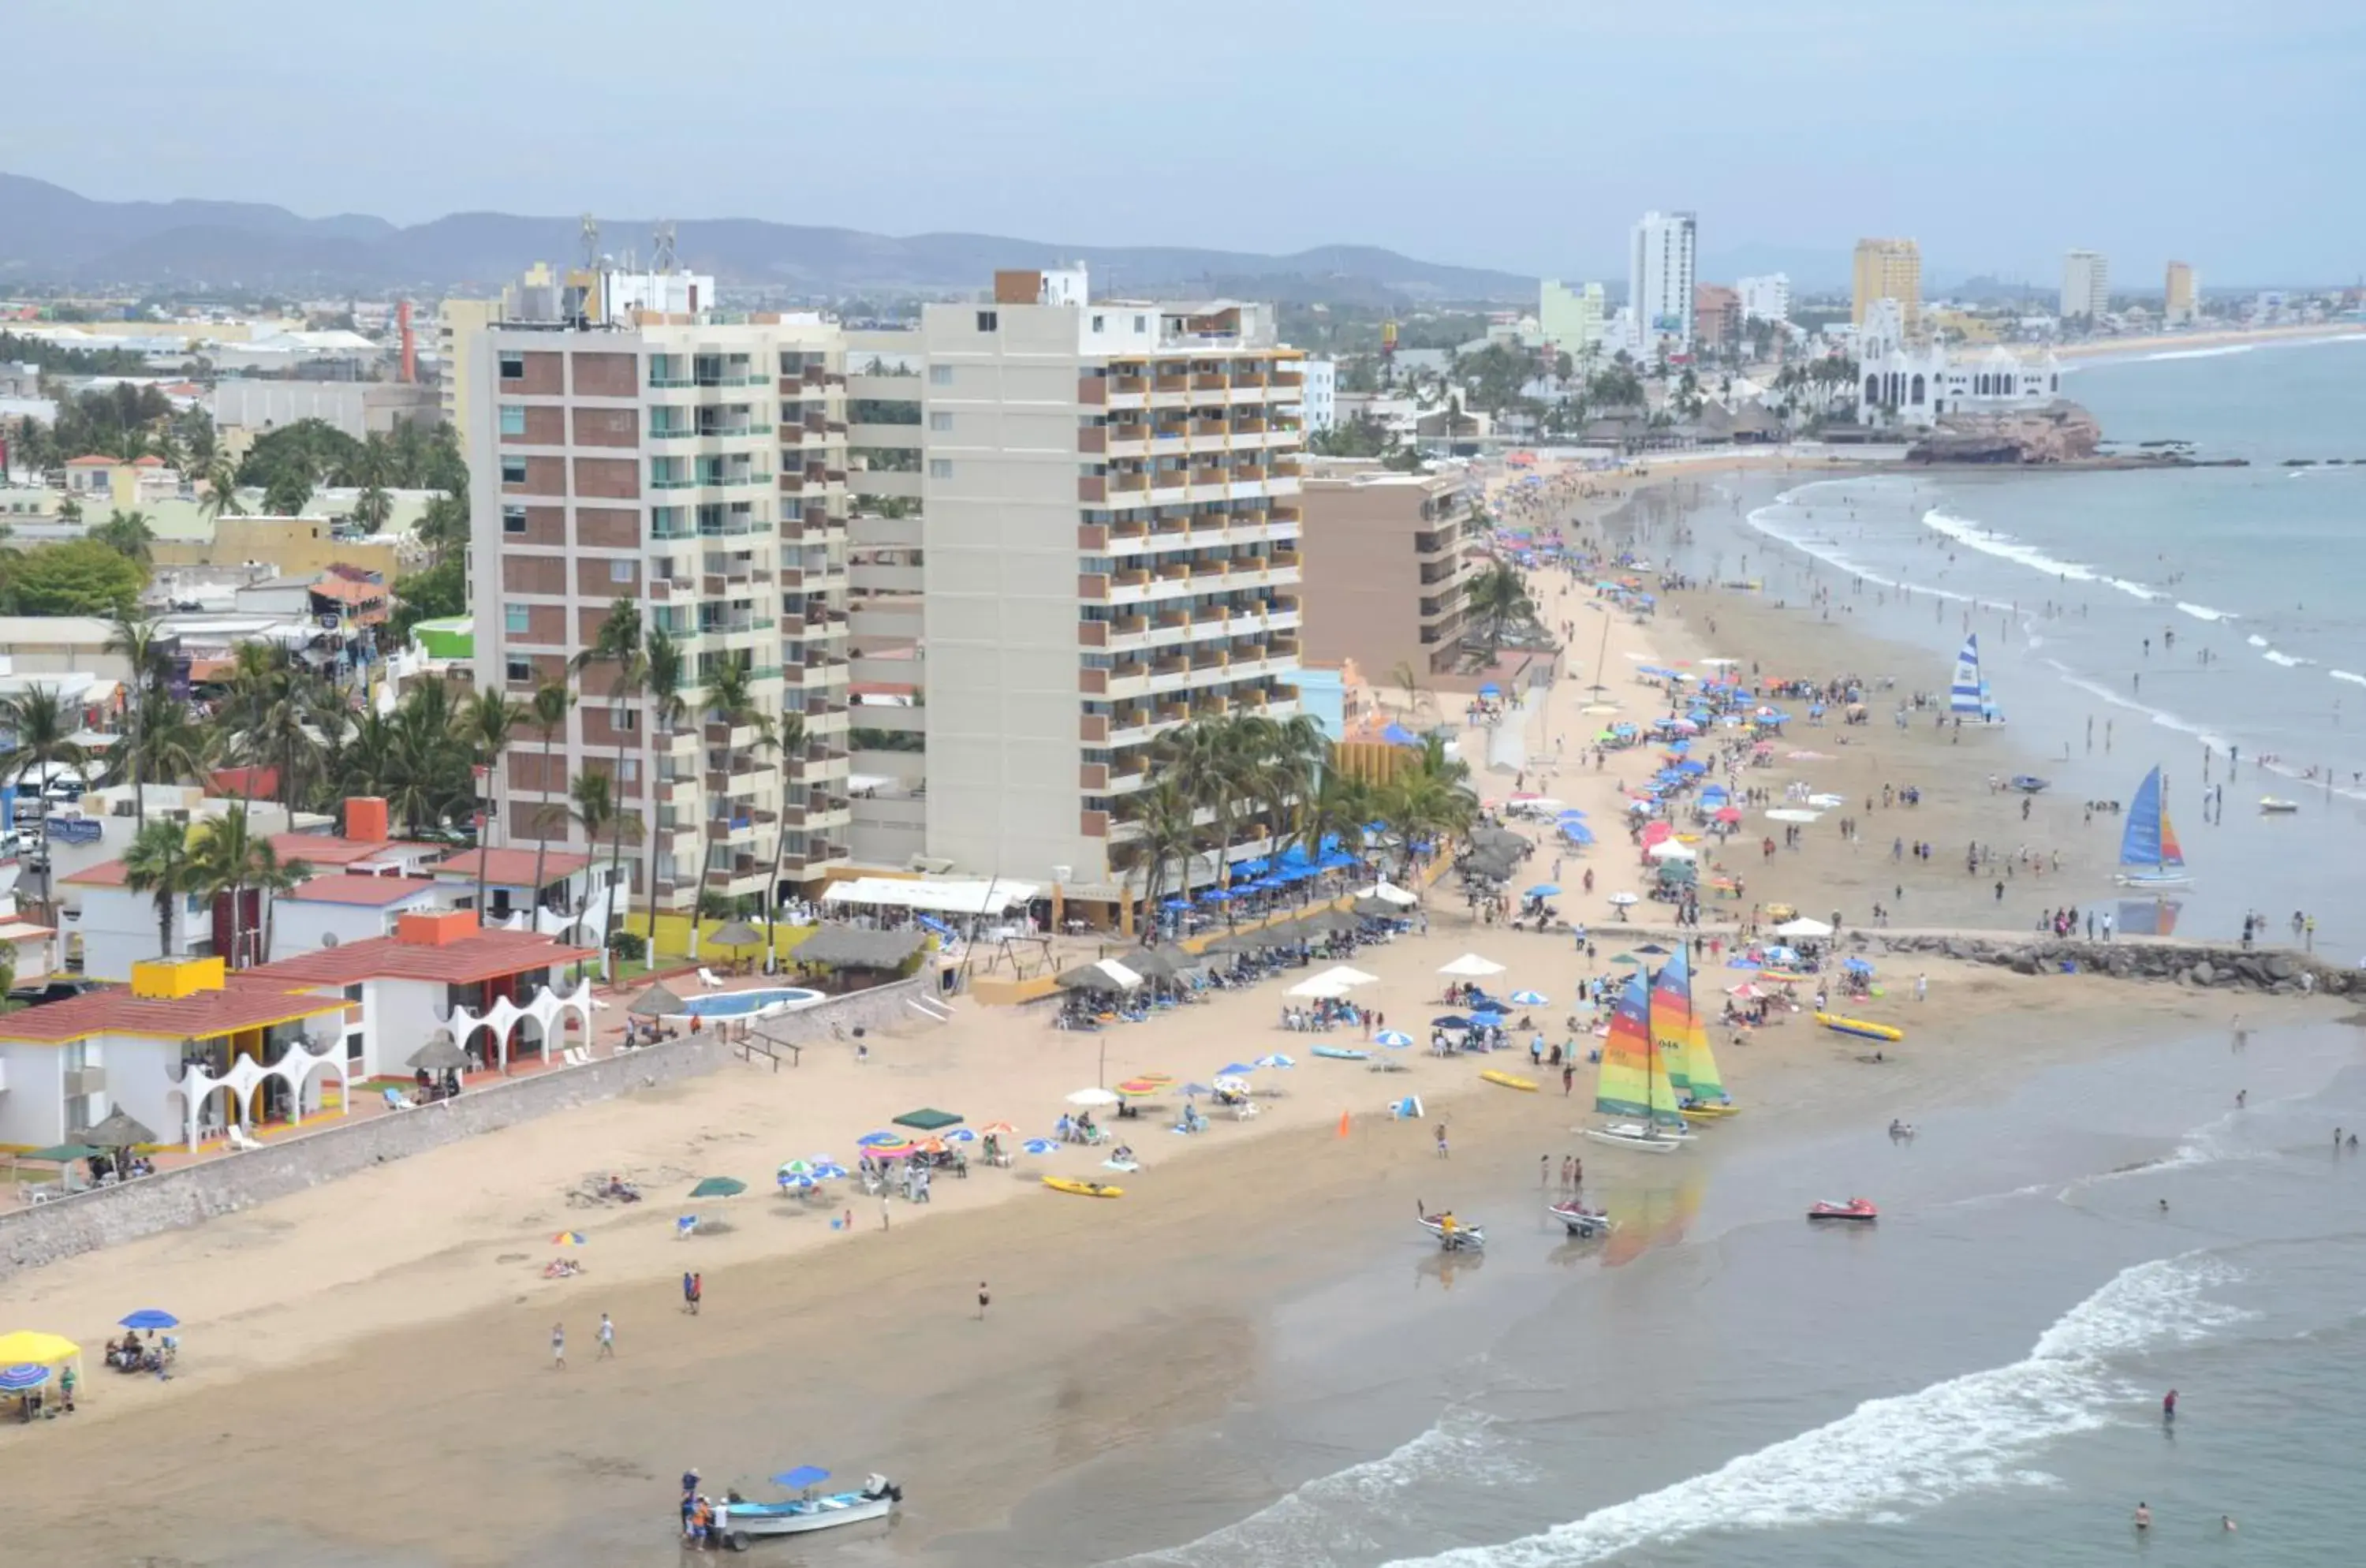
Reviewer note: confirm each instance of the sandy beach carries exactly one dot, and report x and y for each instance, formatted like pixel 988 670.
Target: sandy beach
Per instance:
pixel 366 1374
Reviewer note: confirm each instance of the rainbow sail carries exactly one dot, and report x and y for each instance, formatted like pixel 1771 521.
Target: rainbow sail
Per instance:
pixel 1623 1087
pixel 1683 1036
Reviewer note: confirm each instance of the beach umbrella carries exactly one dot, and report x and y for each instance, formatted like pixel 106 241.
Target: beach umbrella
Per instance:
pixel 1234 1071
pixel 1394 1039
pixel 19 1379
pixel 1039 1146
pixel 1407 1110
pixel 655 1002
pixel 1623 899
pixel 1488 1018
pixel 1858 967
pixel 876 1140
pixel 1653 948
pixel 960 1136
pixel 736 934
pixel 795 1167
pixel 1668 848
pixel 149 1317
pixel 1544 890
pixel 1319 987
pixel 1627 958
pixel 792 1181
pixel 440 1054
pixel 1278 1059
pixel 828 1170
pixel 1529 999
pixel 118 1130
pixel 998 1129
pixel 1092 1098
pixel 719 1187
pixel 1231 1085
pixel 1450 1020
pixel 1778 954
pixel 1471 965
pixel 1728 814
pixel 558 1238
pixel 1143 1088
pixel 1194 1090
pixel 1746 991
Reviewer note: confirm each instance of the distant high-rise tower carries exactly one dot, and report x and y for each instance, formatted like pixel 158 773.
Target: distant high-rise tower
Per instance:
pixel 1660 282
pixel 1888 269
pixel 1767 299
pixel 2086 286
pixel 2181 302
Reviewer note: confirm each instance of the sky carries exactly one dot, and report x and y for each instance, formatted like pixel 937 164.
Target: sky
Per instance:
pixel 1517 134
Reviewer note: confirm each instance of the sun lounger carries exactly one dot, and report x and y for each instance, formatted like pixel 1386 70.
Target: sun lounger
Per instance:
pixel 707 978
pixel 239 1140
pixel 395 1100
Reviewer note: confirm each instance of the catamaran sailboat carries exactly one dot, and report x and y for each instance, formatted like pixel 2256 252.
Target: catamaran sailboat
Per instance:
pixel 1632 1084
pixel 1683 1037
pixel 1967 693
pixel 2150 855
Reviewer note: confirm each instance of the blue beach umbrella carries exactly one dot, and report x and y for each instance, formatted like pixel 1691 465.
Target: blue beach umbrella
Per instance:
pixel 1488 1017
pixel 1194 1090
pixel 1449 1021
pixel 149 1317
pixel 17 1379
pixel 1529 999
pixel 1235 1070
pixel 1491 689
pixel 1281 1059
pixel 1394 1039
pixel 792 1183
pixel 1039 1146
pixel 882 1141
pixel 828 1170
pixel 960 1135
pixel 1544 890
pixel 1858 967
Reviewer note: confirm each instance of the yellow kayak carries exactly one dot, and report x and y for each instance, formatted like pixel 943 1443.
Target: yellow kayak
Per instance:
pixel 1083 1189
pixel 1508 1081
pixel 1709 1112
pixel 1859 1027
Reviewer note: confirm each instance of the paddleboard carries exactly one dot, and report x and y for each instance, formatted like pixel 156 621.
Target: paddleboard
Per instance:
pixel 1508 1081
pixel 1859 1027
pixel 1082 1188
pixel 1341 1054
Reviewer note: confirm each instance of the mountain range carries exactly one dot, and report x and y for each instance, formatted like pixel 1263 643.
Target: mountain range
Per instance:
pixel 51 235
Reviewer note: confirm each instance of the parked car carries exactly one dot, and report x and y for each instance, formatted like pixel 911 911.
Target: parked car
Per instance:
pixel 58 989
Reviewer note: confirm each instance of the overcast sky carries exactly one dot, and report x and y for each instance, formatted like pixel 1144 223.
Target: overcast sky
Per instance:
pixel 1525 134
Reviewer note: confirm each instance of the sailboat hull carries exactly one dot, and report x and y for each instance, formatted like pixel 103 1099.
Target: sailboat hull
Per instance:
pixel 2154 879
pixel 1636 1136
pixel 1700 1114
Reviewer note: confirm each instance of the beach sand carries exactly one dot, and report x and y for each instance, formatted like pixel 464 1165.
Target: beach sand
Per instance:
pixel 366 1374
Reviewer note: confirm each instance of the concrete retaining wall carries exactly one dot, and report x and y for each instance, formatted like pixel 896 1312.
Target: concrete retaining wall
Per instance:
pixel 33 1237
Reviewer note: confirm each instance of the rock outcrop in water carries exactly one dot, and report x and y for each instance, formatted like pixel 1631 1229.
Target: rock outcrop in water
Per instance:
pixel 2062 432
pixel 2198 965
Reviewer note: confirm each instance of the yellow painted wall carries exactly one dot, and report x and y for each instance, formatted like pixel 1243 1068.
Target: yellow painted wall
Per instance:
pixel 673 937
pixel 298 546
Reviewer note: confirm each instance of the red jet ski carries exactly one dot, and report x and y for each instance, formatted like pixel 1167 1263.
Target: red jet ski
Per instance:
pixel 1854 1209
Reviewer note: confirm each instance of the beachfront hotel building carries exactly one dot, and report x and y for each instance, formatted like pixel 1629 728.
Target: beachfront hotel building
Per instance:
pixel 1887 269
pixel 1767 299
pixel 693 464
pixel 1909 381
pixel 2086 287
pixel 1660 278
pixel 2181 299
pixel 1075 528
pixel 1389 561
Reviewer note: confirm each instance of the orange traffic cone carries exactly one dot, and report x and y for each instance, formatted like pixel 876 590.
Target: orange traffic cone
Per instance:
pixel 1343 1123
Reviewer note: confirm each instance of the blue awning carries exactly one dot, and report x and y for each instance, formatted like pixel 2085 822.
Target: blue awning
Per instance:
pixel 804 1475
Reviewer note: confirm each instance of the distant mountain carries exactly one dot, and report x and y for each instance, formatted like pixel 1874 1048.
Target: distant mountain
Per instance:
pixel 51 234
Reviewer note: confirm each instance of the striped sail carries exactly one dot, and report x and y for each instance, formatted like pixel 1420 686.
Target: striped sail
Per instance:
pixel 1684 1039
pixel 1963 697
pixel 1624 1086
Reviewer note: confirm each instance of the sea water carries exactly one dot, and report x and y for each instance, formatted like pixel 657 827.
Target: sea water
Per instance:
pixel 2096 595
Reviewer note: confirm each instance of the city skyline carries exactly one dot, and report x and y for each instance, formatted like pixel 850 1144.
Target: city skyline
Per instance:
pixel 986 125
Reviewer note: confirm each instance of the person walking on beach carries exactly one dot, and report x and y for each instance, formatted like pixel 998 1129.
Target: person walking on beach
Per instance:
pixel 1568 1077
pixel 607 1336
pixel 1441 1141
pixel 1921 987
pixel 559 1347
pixel 982 1301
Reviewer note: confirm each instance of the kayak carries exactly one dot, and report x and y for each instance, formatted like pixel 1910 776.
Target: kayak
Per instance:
pixel 1854 1209
pixel 1859 1027
pixel 1083 1189
pixel 1508 1081
pixel 1341 1054
pixel 1708 1112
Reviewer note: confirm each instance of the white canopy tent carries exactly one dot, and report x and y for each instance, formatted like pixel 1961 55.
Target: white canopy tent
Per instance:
pixel 943 895
pixel 1803 926
pixel 1389 893
pixel 1472 966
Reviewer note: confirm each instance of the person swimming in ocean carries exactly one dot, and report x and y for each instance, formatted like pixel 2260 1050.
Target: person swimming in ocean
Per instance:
pixel 2169 1405
pixel 2144 1516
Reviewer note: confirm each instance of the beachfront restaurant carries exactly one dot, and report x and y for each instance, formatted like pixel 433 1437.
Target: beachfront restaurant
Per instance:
pixel 248 1053
pixel 503 994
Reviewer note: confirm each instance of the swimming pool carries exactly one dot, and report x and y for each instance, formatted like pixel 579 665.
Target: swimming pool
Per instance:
pixel 747 1004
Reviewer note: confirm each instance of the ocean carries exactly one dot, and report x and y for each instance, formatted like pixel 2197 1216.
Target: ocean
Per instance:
pixel 1978 1380
pixel 2209 621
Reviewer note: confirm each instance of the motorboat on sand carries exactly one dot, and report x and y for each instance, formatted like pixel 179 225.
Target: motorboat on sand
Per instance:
pixel 2275 805
pixel 1858 1209
pixel 738 1521
pixel 1580 1220
pixel 1638 1136
pixel 1453 1235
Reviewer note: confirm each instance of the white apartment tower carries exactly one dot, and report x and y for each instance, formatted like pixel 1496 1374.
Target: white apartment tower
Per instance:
pixel 693 466
pixel 1660 283
pixel 1105 548
pixel 1767 299
pixel 2086 287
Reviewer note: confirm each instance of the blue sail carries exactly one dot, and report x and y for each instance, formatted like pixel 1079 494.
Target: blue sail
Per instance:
pixel 1963 697
pixel 2148 841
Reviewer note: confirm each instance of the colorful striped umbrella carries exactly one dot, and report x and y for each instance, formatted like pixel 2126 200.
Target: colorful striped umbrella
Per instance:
pixel 568 1238
pixel 16 1379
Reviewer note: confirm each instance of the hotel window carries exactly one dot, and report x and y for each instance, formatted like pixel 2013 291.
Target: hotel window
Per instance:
pixel 513 419
pixel 513 471
pixel 620 569
pixel 940 419
pixel 513 519
pixel 940 468
pixel 516 619
pixel 941 375
pixel 521 669
pixel 627 719
pixel 512 367
pixel 988 321
pixel 1097 323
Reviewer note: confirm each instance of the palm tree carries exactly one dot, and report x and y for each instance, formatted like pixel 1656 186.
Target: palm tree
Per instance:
pixel 1170 837
pixel 731 700
pixel 138 641
pixel 617 643
pixel 127 534
pixel 548 713
pixel 44 726
pixel 159 864
pixel 222 856
pixel 443 526
pixel 486 724
pixel 168 747
pixel 1408 679
pixel 272 876
pixel 373 509
pixel 788 748
pixel 1498 601
pixel 431 780
pixel 590 810
pixel 1340 806
pixel 221 490
pixel 666 671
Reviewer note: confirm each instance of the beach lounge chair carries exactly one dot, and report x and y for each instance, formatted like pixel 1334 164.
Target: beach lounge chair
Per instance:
pixel 238 1138
pixel 707 978
pixel 685 1226
pixel 395 1100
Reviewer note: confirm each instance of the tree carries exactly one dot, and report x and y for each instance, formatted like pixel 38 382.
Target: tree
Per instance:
pixel 444 527
pixel 1498 600
pixel 127 534
pixel 731 699
pixel 222 490
pixel 591 808
pixel 271 877
pixel 486 724
pixel 1167 837
pixel 287 495
pixel 617 643
pixel 168 747
pixel 665 670
pixel 553 700
pixel 159 864
pixel 439 591
pixel 44 726
pixel 374 509
pixel 77 577
pixel 789 747
pixel 138 641
pixel 228 857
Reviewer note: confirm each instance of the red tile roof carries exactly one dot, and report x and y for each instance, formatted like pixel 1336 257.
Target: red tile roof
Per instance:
pixel 357 888
pixel 511 868
pixel 114 1010
pixel 91 460
pixel 348 592
pixel 106 873
pixel 324 849
pixel 462 963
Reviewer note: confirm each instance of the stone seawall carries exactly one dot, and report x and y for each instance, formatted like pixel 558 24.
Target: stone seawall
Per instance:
pixel 30 1238
pixel 2278 971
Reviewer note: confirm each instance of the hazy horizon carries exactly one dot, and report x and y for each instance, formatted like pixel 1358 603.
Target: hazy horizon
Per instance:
pixel 1528 144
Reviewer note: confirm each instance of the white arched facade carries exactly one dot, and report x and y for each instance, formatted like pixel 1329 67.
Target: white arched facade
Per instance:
pixel 544 1010
pixel 245 1075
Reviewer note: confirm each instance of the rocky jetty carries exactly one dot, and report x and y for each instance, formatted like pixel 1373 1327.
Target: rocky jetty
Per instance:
pixel 2060 432
pixel 2179 962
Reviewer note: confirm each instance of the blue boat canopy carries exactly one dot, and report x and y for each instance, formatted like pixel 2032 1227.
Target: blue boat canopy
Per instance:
pixel 804 1475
